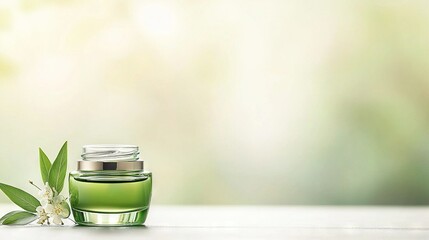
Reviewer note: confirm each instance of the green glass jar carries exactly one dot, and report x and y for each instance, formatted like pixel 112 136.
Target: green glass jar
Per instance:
pixel 110 187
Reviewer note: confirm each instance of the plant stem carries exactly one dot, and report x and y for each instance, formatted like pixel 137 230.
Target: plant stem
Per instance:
pixel 31 182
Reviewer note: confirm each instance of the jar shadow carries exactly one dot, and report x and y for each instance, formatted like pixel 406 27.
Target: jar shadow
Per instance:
pixel 111 231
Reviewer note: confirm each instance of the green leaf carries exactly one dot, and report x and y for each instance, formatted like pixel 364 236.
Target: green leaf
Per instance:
pixel 45 165
pixel 58 170
pixel 18 218
pixel 20 197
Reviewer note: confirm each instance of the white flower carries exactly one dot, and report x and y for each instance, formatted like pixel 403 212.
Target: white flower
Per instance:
pixel 53 206
pixel 58 209
pixel 41 213
pixel 46 194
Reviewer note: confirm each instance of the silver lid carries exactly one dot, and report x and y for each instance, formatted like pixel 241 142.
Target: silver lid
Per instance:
pixel 110 157
pixel 101 166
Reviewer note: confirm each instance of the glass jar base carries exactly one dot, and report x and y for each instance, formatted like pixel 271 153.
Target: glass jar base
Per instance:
pixel 110 219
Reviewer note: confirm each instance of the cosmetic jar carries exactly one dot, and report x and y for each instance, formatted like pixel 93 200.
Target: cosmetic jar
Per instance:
pixel 110 186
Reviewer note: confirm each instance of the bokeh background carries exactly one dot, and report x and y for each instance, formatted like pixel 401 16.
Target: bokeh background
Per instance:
pixel 231 102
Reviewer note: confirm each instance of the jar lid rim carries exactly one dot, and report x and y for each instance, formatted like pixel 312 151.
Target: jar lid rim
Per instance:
pixel 83 165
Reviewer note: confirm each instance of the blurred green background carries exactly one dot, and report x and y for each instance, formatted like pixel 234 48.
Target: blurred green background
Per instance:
pixel 231 102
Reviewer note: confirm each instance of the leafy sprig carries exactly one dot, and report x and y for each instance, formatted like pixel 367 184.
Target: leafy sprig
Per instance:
pixel 53 176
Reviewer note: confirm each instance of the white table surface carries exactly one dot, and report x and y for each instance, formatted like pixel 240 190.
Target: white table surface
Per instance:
pixel 247 222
